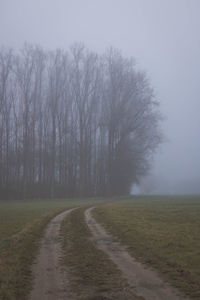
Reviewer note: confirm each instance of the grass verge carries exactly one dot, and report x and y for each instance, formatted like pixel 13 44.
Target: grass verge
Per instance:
pixel 92 275
pixel 161 232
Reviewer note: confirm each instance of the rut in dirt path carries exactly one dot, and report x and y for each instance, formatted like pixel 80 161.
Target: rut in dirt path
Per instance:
pixel 50 282
pixel 145 281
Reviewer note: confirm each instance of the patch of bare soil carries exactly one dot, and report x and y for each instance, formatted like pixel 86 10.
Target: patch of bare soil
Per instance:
pixel 50 282
pixel 146 282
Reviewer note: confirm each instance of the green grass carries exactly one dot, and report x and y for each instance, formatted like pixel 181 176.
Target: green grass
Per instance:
pixel 91 273
pixel 163 232
pixel 21 226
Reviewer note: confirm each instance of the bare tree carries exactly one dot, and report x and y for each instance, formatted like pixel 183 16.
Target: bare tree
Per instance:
pixel 74 123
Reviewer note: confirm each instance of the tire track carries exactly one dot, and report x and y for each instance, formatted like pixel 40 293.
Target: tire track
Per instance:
pixel 146 282
pixel 50 282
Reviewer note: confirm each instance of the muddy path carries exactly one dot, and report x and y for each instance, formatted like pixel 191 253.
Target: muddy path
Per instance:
pixel 50 282
pixel 145 281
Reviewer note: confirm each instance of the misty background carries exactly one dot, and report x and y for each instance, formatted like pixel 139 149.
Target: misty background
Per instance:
pixel 163 37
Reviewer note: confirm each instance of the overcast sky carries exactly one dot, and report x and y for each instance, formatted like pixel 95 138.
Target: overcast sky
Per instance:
pixel 163 36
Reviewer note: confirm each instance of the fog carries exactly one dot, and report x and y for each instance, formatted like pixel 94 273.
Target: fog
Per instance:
pixel 163 37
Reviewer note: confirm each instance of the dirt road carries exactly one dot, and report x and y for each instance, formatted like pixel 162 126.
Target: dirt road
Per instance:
pixel 146 282
pixel 50 282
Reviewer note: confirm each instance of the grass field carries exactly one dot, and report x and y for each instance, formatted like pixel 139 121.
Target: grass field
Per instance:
pixel 21 226
pixel 163 232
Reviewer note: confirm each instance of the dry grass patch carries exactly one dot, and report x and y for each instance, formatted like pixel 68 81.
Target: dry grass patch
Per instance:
pixel 92 275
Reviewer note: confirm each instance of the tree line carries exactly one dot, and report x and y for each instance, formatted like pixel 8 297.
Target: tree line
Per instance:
pixel 74 123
